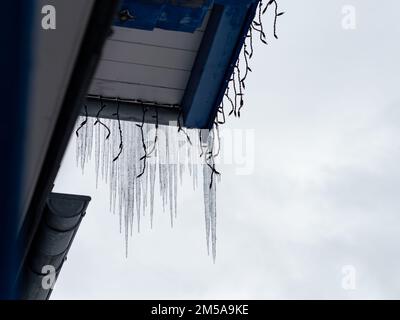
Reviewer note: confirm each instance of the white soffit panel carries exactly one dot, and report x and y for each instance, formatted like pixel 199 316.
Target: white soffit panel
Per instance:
pixel 152 66
pixel 54 55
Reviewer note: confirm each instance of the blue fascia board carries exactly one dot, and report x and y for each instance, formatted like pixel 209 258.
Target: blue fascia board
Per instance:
pixel 164 14
pixel 234 2
pixel 220 48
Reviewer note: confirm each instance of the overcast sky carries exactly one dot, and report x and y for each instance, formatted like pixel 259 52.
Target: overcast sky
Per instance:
pixel 324 103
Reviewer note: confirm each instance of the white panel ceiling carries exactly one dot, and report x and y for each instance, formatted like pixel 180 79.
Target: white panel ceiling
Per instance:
pixel 52 63
pixel 152 66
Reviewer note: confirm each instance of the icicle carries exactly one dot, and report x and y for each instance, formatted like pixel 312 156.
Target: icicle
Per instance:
pixel 130 186
pixel 209 189
pixel 138 185
pixel 213 219
pixel 144 179
pixel 175 188
pixel 152 168
pixel 169 159
pixel 97 153
pixel 206 191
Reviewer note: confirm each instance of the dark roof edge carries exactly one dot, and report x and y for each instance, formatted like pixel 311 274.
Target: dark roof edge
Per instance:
pixel 51 244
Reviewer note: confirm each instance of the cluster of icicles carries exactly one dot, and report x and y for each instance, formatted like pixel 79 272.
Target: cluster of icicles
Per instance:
pixel 131 171
pixel 132 186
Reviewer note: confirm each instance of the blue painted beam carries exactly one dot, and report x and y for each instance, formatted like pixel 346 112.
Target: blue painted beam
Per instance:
pixel 221 45
pixel 183 15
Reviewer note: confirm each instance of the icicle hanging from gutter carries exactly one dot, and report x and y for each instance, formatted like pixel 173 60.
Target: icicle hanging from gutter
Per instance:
pixel 170 154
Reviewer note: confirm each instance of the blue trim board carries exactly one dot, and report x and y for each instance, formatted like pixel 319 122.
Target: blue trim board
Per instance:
pixel 180 15
pixel 221 45
pixel 250 16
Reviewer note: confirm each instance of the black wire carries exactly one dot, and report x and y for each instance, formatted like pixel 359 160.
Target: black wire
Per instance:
pixel 213 172
pixel 235 92
pixel 156 134
pixel 222 112
pixel 240 94
pixel 230 100
pixel 260 24
pixel 268 4
pixel 256 25
pixel 212 165
pixel 102 106
pixel 275 13
pixel 247 67
pixel 250 36
pixel 219 140
pixel 275 19
pixel 180 129
pixel 144 157
pixel 83 122
pixel 201 144
pixel 121 145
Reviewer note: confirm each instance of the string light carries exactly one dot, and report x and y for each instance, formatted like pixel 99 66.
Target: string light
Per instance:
pixel 102 106
pixel 156 134
pixel 83 123
pixel 180 129
pixel 121 144
pixel 237 81
pixel 144 157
